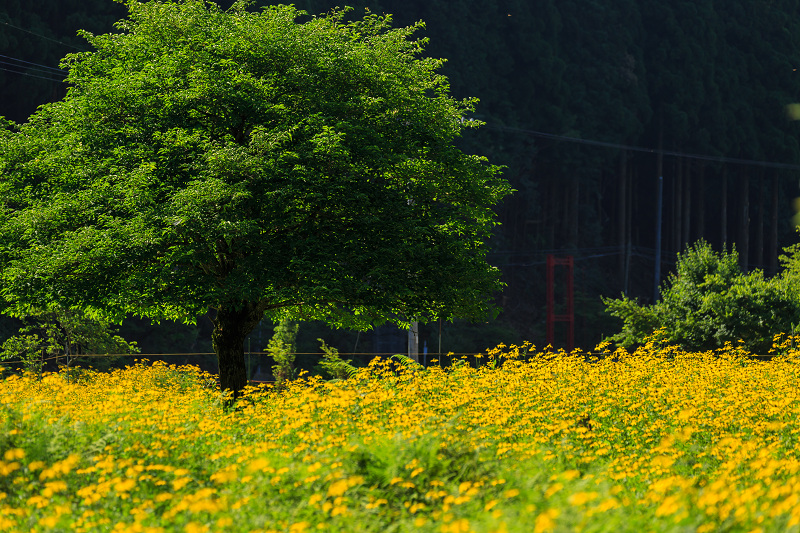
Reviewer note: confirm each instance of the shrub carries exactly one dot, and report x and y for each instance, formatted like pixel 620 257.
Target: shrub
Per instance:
pixel 282 347
pixel 709 301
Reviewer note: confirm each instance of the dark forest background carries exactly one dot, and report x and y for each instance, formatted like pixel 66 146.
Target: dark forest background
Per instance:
pixel 579 100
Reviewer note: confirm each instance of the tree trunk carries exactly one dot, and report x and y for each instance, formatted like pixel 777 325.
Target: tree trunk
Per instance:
pixel 677 207
pixel 724 209
pixel 550 219
pixel 687 202
pixel 773 228
pixel 574 212
pixel 743 243
pixel 565 215
pixel 622 220
pixel 231 327
pixel 758 260
pixel 659 216
pixel 632 179
pixel 700 207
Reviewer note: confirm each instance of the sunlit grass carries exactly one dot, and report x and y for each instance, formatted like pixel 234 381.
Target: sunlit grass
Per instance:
pixel 658 440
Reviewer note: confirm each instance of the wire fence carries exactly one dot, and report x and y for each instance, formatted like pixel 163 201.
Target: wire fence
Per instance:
pixel 430 356
pixel 429 359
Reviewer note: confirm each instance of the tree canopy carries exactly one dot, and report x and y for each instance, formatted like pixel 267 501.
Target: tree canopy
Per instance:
pixel 248 163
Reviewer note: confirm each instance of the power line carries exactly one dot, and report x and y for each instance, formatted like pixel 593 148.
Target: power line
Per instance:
pixel 44 68
pixel 579 254
pixel 32 75
pixel 618 146
pixel 25 69
pixel 576 258
pixel 44 37
pixel 592 249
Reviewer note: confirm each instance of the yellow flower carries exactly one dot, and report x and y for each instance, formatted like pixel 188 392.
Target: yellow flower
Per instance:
pixel 125 485
pixel 225 475
pixel 580 498
pixel 552 489
pixel 14 454
pixel 224 522
pixel 662 461
pixel 457 526
pixel 545 521
pixel 38 502
pixel 178 484
pixel 337 488
pixel 8 468
pixel 570 474
pixel 195 527
pixel 36 465
pixel 53 487
pixel 258 465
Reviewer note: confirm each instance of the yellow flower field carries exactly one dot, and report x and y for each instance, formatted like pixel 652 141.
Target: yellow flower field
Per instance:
pixel 657 440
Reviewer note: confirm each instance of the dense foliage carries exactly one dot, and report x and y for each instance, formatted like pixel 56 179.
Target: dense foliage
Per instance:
pixel 662 440
pixel 709 302
pixel 250 164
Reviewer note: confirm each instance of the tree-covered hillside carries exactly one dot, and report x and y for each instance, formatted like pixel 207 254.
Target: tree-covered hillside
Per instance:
pixel 587 103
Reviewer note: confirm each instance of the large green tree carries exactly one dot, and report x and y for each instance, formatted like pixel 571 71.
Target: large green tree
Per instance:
pixel 248 164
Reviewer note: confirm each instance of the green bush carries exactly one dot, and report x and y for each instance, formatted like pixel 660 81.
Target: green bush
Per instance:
pixel 282 347
pixel 709 301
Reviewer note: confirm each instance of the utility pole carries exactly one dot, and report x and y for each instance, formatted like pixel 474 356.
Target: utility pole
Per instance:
pixel 659 207
pixel 413 341
pixel 439 353
pixel 659 212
